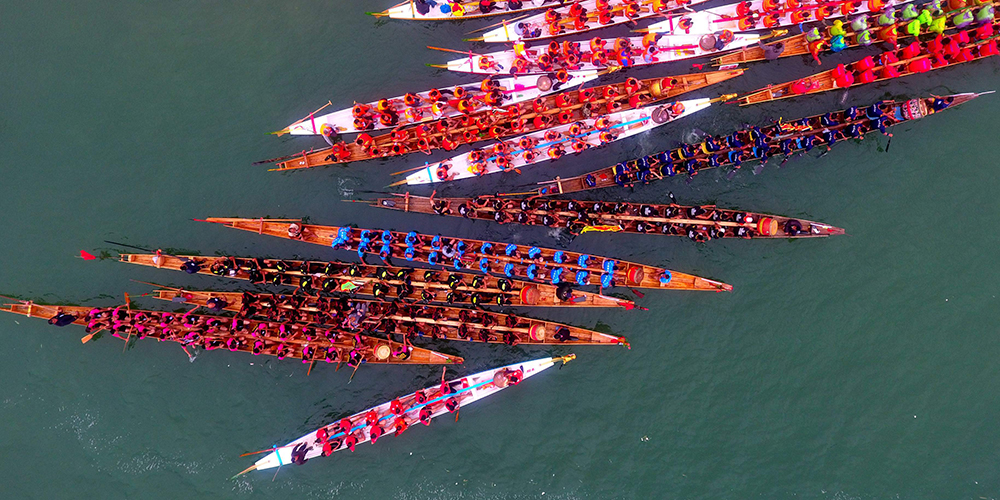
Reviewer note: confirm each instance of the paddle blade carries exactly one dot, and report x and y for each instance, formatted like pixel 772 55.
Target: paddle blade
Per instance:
pixel 86 338
pixel 86 256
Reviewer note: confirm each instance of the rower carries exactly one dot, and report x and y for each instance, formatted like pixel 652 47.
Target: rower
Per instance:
pixel 299 453
pixel 425 415
pixel 375 432
pixel 62 319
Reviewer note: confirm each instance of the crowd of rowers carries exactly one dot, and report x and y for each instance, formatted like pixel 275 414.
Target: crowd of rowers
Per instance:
pixel 480 122
pixel 236 334
pixel 333 277
pixel 389 317
pixel 572 56
pixel 532 264
pixel 760 143
pixel 419 407
pixel 578 18
pixel 576 215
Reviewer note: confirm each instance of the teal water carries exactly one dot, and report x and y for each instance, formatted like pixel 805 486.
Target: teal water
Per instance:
pixel 856 367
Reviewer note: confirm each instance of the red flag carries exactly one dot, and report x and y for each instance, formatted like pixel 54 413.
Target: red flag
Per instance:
pixel 86 256
pixel 698 66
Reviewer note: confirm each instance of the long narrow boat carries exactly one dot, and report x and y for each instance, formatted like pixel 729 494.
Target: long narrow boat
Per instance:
pixel 442 10
pixel 860 32
pixel 273 338
pixel 602 54
pixel 699 223
pixel 486 123
pixel 521 261
pixel 964 46
pixel 579 17
pixel 430 105
pixel 399 414
pixel 764 14
pixel 786 138
pixel 407 320
pixel 423 285
pixel 554 143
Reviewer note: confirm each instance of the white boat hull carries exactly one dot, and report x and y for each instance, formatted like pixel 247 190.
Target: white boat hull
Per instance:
pixel 626 123
pixel 475 387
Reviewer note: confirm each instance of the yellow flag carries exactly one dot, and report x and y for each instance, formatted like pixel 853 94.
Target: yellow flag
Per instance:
pixel 601 229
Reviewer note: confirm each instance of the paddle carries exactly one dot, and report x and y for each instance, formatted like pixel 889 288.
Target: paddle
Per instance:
pixel 494 25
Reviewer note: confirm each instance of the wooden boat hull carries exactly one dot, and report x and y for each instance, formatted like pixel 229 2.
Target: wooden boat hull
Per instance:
pixel 520 257
pixel 294 345
pixel 613 175
pixel 469 132
pixel 515 89
pixel 826 80
pixel 560 138
pixel 709 222
pixel 424 321
pixel 466 390
pixel 361 282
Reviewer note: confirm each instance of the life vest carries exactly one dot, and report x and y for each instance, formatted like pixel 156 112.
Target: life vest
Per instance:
pixel 551 135
pixel 411 99
pixel 747 23
pixel 562 75
pixel 632 85
pixel 361 123
pixel 578 146
pixel 466 106
pixel 610 92
pixel 555 152
pixel 743 9
pixel 485 63
pixel 770 5
pixel 912 50
pixel 888 35
pixel 538 105
pixel 596 44
pixel 364 140
pixel 518 125
pixel 602 123
pixel 801 16
pixel 984 32
pixel 360 110
pixel 551 15
pixel 373 151
pixel 384 105
pixel 848 8
pixel 864 64
pixel 586 95
pixel 526 143
pixel 529 156
pixel 423 144
pixel 875 5
pixel 575 129
pixel 919 66
pixel 340 151
pixel 562 100
pixel 605 137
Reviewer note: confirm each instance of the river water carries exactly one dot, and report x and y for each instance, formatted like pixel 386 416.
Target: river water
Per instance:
pixel 856 367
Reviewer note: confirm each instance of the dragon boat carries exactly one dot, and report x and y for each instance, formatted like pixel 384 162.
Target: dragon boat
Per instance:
pixel 272 338
pixel 482 124
pixel 579 17
pixel 758 144
pixel 764 14
pixel 863 31
pixel 398 415
pixel 699 223
pixel 448 10
pixel 554 143
pixel 424 285
pixel 915 58
pixel 429 105
pixel 521 261
pixel 410 321
pixel 601 54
